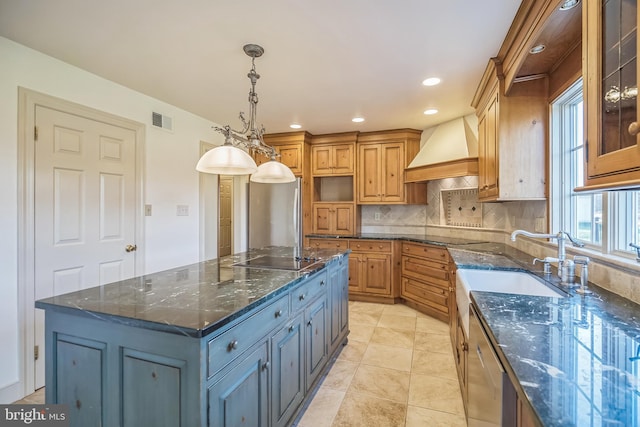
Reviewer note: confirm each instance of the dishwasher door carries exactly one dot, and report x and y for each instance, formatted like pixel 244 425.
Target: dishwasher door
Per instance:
pixel 489 388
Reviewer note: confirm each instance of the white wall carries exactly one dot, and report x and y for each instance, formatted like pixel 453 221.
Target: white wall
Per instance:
pixel 170 177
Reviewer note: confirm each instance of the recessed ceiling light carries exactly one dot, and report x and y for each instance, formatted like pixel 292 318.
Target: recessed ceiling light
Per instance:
pixel 357 119
pixel 431 81
pixel 295 126
pixel 431 111
pixel 569 4
pixel 537 49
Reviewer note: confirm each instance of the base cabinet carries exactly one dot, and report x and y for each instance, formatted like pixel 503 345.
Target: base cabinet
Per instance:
pixel 373 270
pixel 255 371
pixel 241 396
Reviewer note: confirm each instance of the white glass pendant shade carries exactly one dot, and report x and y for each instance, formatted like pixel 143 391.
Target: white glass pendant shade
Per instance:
pixel 226 160
pixel 273 172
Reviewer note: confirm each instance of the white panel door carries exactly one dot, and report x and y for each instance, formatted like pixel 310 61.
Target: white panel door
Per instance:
pixel 84 207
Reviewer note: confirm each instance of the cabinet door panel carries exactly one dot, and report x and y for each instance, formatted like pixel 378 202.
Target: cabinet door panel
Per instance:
pixel 369 173
pixel 150 391
pixel 287 384
pixel 344 219
pixel 321 160
pixel 393 167
pixel 488 152
pixel 321 219
pixel 377 274
pixel 291 155
pixel 316 339
pixel 79 381
pixel 240 397
pixel 343 159
pixel 354 272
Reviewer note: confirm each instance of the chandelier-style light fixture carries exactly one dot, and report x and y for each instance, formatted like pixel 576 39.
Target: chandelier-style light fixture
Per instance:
pixel 229 159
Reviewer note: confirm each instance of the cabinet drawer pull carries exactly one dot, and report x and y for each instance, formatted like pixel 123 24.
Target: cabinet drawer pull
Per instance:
pixel 278 313
pixel 233 345
pixel 301 297
pixel 634 129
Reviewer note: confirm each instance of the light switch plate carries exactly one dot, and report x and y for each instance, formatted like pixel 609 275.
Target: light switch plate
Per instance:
pixel 147 210
pixel 182 210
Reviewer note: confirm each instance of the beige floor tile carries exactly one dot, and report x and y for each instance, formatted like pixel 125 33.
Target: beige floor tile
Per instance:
pixel 421 417
pixel 340 375
pixel 431 325
pixel 353 351
pixel 323 408
pixel 362 318
pixel 360 332
pixel 366 307
pixel 359 410
pixel 381 382
pixel 439 343
pixel 399 310
pixel 393 337
pixel 435 364
pixel 397 322
pixel 439 394
pixel 36 398
pixel 385 356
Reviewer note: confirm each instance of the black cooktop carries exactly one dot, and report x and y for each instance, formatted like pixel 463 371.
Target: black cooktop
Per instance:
pixel 278 263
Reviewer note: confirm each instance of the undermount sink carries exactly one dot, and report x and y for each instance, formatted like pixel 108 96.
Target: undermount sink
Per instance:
pixel 502 281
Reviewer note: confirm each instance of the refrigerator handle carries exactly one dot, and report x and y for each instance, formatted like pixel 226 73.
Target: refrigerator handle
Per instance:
pixel 296 214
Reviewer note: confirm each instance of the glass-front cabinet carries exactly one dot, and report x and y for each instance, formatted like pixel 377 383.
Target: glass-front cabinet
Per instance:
pixel 610 50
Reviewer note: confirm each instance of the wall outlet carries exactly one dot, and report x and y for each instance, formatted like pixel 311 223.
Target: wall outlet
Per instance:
pixel 182 210
pixel 147 210
pixel 376 216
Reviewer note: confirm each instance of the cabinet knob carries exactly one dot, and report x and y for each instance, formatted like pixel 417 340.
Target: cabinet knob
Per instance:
pixel 265 366
pixel 310 322
pixel 233 345
pixel 322 283
pixel 634 129
pixel 278 313
pixel 301 297
pixel 291 328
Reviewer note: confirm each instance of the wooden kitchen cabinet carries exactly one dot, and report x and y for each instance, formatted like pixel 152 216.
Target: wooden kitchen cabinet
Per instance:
pixel 511 137
pixel 293 148
pixel 373 270
pixel 425 279
pixel 334 218
pixel 611 122
pixel 332 159
pixel 322 243
pixel 381 160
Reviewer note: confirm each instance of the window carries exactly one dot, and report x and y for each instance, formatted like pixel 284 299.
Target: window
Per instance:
pixel 606 221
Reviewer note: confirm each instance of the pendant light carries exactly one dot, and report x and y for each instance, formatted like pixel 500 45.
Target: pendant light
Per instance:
pixel 231 158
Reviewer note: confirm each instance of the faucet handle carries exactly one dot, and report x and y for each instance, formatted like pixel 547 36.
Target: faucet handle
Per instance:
pixel 546 264
pixel 574 242
pixel 580 259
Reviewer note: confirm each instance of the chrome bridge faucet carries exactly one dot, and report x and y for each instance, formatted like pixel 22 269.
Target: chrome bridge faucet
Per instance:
pixel 566 267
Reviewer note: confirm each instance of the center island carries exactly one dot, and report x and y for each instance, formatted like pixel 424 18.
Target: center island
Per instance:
pixel 236 341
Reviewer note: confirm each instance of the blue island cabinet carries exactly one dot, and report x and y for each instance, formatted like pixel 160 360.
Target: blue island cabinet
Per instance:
pixel 256 370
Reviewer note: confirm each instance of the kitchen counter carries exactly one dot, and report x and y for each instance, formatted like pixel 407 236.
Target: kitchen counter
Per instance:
pixel 212 343
pixel 192 300
pixel 418 238
pixel 575 361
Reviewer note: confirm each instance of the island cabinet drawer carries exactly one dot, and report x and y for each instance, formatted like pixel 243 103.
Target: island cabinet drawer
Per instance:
pixel 370 246
pixel 303 295
pixel 329 243
pixel 428 294
pixel 227 346
pixel 425 251
pixel 421 269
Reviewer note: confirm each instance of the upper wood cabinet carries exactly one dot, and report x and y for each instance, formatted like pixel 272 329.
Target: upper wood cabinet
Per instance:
pixel 381 160
pixel 292 147
pixel 610 47
pixel 511 137
pixel 333 154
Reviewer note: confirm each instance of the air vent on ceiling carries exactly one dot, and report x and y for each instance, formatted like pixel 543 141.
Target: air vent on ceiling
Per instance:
pixel 161 121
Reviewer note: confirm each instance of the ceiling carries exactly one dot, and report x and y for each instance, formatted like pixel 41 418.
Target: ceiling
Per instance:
pixel 325 62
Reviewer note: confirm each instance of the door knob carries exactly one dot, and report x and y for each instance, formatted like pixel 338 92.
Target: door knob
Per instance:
pixel 131 248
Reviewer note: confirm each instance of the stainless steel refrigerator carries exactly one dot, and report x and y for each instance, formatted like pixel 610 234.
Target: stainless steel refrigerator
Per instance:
pixel 275 214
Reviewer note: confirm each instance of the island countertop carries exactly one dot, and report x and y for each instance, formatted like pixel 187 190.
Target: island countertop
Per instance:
pixel 193 300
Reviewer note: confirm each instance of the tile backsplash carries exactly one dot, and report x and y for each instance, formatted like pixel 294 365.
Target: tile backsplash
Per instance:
pixel 506 216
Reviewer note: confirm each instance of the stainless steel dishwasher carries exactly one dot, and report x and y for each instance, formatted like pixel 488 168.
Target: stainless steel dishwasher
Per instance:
pixel 491 396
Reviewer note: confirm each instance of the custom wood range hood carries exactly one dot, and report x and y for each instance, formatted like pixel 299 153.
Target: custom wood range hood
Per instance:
pixel 449 150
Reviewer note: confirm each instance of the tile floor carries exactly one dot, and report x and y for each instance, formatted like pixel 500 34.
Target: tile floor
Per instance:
pixel 397 370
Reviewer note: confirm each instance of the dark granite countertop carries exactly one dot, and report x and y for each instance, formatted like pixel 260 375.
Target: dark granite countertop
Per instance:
pixel 576 359
pixel 418 238
pixel 193 300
